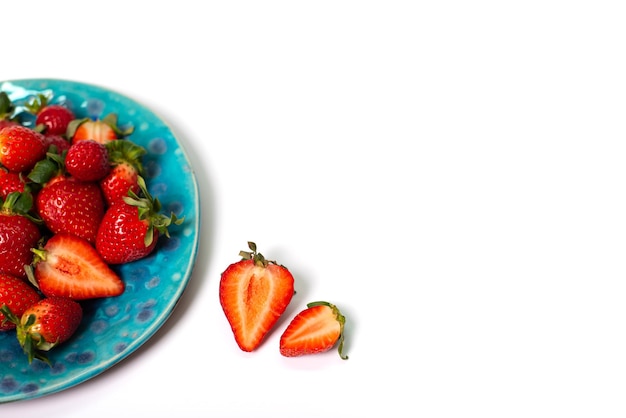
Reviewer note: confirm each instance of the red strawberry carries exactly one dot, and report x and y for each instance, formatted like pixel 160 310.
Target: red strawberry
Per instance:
pixel 131 227
pixel 71 206
pixel 125 158
pixel 87 160
pixel 314 330
pixel 69 266
pixel 51 119
pixel 58 141
pixel 10 182
pixel 46 324
pixel 100 130
pixel 18 234
pixel 18 295
pixel 254 293
pixel 21 148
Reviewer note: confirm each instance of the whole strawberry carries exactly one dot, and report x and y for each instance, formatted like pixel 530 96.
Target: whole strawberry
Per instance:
pixel 51 119
pixel 10 181
pixel 254 293
pixel 18 295
pixel 71 206
pixel 87 160
pixel 21 148
pixel 131 227
pixel 46 324
pixel 125 158
pixel 18 234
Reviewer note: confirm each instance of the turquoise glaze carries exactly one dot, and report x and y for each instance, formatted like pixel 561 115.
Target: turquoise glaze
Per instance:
pixel 113 328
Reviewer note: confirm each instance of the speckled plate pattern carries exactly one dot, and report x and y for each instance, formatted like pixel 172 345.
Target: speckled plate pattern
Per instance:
pixel 113 328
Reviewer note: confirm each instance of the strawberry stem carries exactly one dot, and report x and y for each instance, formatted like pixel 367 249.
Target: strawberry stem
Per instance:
pixel 340 318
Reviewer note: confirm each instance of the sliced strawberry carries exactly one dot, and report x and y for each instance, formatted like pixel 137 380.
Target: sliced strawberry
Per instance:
pixel 101 130
pixel 69 266
pixel 254 293
pixel 314 330
pixel 18 295
pixel 45 324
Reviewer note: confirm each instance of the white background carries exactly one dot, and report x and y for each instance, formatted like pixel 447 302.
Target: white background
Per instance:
pixel 451 174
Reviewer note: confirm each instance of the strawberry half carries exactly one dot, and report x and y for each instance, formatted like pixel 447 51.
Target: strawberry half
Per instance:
pixel 45 324
pixel 101 130
pixel 18 295
pixel 70 267
pixel 254 293
pixel 314 330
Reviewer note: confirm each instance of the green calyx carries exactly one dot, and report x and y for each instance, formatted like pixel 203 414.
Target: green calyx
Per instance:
pixel 149 209
pixel 124 151
pixel 33 344
pixel 340 318
pixel 255 256
pixel 20 203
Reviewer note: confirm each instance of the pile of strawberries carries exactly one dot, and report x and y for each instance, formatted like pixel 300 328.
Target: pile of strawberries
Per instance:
pixel 74 203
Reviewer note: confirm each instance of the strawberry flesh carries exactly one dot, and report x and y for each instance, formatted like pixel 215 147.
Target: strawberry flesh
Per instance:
pixel 70 267
pixel 254 294
pixel 314 330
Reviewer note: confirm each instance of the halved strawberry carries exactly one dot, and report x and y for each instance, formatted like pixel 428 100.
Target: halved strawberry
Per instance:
pixel 314 330
pixel 69 266
pixel 18 295
pixel 100 130
pixel 254 293
pixel 45 324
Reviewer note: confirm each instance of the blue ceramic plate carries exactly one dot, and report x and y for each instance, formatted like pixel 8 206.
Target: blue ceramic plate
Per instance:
pixel 113 328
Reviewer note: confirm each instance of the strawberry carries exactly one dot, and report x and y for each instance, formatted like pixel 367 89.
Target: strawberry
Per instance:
pixel 314 330
pixel 69 266
pixel 87 160
pixel 254 293
pixel 51 119
pixel 126 167
pixel 18 234
pixel 18 295
pixel 10 182
pixel 59 141
pixel 100 130
pixel 46 324
pixel 71 206
pixel 21 148
pixel 131 227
